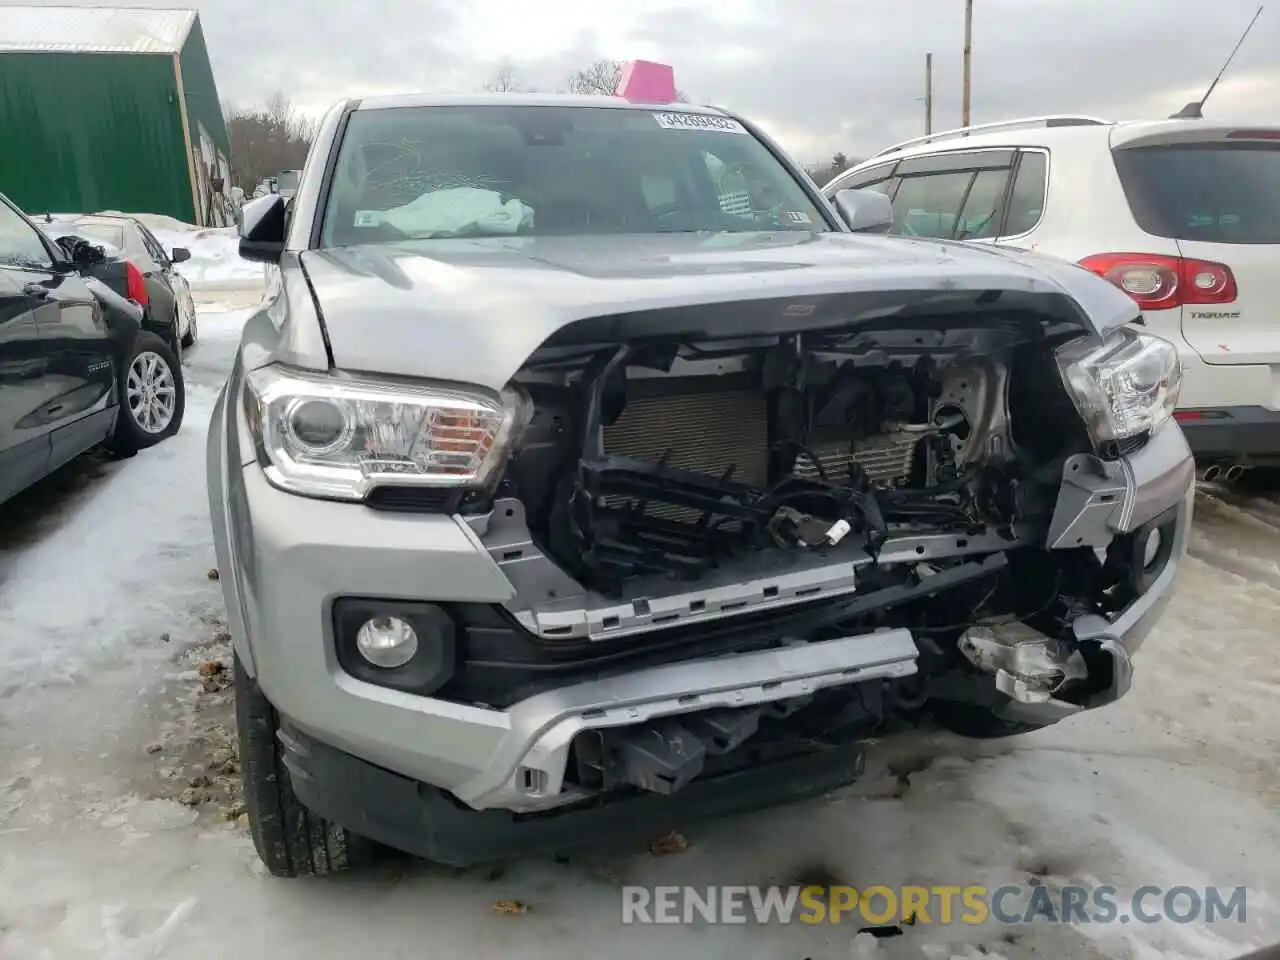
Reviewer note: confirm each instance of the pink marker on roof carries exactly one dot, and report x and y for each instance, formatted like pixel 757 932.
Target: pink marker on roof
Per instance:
pixel 646 82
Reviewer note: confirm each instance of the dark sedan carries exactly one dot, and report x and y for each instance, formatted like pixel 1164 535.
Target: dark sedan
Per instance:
pixel 153 282
pixel 77 368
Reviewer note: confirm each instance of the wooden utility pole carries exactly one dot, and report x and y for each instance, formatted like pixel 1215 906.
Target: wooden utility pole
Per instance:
pixel 965 115
pixel 928 93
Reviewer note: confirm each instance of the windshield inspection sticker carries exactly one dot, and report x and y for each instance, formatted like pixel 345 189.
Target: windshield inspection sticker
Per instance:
pixel 368 218
pixel 797 216
pixel 698 121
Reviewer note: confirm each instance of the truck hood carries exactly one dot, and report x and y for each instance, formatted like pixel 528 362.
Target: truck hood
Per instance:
pixel 473 310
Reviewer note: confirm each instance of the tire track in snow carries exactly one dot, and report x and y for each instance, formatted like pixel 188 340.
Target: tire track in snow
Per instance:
pixel 1250 568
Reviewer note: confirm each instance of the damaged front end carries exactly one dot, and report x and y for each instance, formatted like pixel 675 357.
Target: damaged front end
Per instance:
pixel 793 477
pixel 890 520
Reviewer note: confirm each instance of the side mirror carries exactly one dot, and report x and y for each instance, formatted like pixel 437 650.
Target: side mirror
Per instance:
pixel 261 224
pixel 180 255
pixel 865 211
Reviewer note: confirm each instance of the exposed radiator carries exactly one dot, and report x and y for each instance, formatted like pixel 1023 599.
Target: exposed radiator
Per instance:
pixel 703 432
pixel 710 431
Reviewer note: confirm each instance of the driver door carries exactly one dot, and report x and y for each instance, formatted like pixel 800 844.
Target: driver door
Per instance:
pixel 24 436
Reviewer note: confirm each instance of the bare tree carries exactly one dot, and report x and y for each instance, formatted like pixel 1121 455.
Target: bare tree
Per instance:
pixel 266 140
pixel 598 77
pixel 826 172
pixel 604 77
pixel 504 80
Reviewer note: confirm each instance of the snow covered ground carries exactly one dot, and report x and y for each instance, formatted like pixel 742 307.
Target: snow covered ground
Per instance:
pixel 119 830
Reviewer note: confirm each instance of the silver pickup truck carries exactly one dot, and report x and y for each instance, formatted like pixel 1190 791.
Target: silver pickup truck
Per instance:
pixel 586 470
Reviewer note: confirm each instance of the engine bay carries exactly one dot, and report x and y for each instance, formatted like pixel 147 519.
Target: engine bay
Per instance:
pixel 673 459
pixel 676 500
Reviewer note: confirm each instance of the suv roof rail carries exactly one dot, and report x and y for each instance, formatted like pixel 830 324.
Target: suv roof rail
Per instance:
pixel 1049 120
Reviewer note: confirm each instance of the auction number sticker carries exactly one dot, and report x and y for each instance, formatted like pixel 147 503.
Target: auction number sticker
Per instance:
pixel 699 121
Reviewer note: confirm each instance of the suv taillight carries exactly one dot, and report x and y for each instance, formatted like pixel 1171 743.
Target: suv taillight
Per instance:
pixel 135 284
pixel 1158 282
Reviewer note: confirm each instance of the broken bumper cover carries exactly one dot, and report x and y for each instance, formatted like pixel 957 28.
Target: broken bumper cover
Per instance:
pixel 527 771
pixel 304 554
pixel 1105 646
pixel 423 820
pixel 704 701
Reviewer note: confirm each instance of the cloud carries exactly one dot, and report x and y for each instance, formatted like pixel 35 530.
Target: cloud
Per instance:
pixel 820 75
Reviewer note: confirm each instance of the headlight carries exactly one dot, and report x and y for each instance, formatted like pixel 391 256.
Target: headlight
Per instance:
pixel 1124 388
pixel 327 436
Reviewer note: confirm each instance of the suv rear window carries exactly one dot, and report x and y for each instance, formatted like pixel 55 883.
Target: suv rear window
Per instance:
pixel 1216 193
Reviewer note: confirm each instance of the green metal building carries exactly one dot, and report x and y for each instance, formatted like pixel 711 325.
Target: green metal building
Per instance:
pixel 111 109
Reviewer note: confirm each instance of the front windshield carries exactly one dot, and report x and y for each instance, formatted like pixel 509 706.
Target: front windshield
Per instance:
pixel 449 171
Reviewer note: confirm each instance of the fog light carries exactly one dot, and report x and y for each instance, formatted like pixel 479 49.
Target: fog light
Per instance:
pixel 1151 548
pixel 387 642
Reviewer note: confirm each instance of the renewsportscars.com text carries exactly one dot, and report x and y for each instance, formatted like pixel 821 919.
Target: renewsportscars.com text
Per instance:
pixel 1012 904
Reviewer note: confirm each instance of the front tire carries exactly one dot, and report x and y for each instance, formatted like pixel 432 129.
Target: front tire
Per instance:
pixel 291 840
pixel 152 394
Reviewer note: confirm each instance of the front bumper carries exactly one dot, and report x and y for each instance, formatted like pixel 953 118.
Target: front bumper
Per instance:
pixel 286 559
pixel 424 821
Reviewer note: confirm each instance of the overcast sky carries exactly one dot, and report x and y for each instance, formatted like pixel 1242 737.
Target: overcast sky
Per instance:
pixel 820 75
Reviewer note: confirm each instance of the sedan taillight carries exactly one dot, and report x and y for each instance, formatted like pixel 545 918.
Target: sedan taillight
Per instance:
pixel 1159 282
pixel 135 284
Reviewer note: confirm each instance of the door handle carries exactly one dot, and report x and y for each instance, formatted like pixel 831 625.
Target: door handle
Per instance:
pixel 38 290
pixel 55 408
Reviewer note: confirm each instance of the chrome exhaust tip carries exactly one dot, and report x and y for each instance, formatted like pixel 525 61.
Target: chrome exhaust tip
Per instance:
pixel 1209 474
pixel 1234 472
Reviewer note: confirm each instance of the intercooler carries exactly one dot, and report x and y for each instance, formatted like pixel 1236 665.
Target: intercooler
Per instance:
pixel 725 433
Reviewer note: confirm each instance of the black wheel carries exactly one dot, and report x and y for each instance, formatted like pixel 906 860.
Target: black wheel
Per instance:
pixel 977 723
pixel 153 397
pixel 291 840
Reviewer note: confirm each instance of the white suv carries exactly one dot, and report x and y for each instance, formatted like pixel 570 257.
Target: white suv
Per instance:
pixel 1183 215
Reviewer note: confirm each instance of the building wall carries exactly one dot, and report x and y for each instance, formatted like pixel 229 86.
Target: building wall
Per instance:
pixel 90 131
pixel 209 141
pixel 203 105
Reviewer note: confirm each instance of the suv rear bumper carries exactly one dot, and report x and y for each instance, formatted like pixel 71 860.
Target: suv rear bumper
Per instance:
pixel 1232 433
